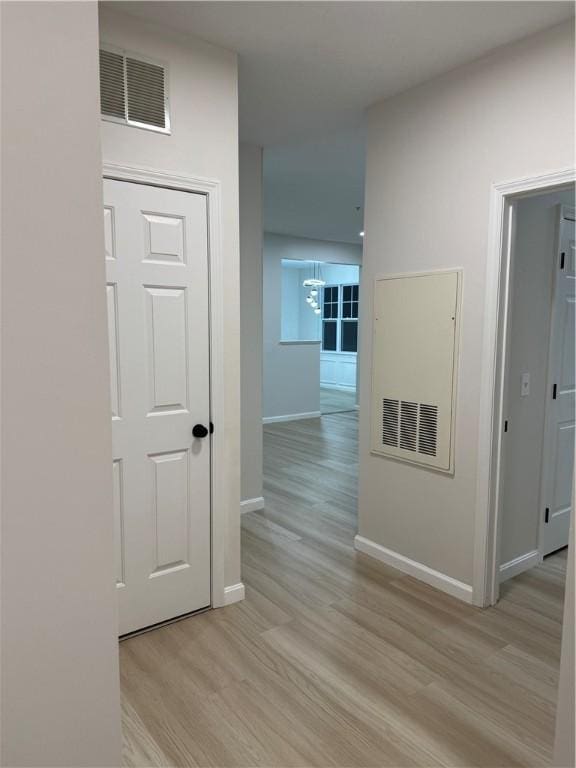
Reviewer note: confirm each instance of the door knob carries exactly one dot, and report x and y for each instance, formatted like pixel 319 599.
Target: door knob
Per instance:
pixel 199 430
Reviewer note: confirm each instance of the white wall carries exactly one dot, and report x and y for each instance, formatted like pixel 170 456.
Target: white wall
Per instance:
pixel 60 687
pixel 203 88
pixel 532 284
pixel 292 371
pixel 564 747
pixel 251 236
pixel 443 144
pixel 290 306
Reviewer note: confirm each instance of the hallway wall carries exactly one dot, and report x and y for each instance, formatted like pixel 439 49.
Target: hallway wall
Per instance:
pixel 60 699
pixel 251 252
pixel 506 116
pixel 203 93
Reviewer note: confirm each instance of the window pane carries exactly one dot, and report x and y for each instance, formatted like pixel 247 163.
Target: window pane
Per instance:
pixel 331 293
pixel 355 292
pixel 354 309
pixel 349 339
pixel 347 309
pixel 329 336
pixel 330 302
pixel 346 292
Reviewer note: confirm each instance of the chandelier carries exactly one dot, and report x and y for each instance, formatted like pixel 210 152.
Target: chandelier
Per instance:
pixel 314 283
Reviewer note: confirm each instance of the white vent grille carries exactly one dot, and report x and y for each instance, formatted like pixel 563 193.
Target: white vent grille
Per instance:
pixel 145 91
pixel 133 91
pixel 390 422
pixel 428 429
pixel 112 100
pixel 410 426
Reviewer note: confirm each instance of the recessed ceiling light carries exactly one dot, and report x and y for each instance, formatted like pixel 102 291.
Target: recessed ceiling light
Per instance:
pixel 361 233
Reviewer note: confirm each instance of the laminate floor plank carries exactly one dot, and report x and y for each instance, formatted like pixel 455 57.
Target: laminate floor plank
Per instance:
pixel 335 659
pixel 336 400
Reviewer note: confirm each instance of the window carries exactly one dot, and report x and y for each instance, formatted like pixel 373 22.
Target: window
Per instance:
pixel 330 306
pixel 331 294
pixel 340 318
pixel 350 301
pixel 329 336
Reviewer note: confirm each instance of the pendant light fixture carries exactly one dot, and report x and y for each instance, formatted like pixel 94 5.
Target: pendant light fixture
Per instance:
pixel 314 283
pixel 316 279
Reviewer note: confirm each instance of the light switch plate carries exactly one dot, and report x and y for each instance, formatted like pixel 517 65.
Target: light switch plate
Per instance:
pixel 525 385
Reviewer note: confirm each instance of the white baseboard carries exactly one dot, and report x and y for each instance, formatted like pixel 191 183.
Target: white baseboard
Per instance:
pixel 291 417
pixel 252 505
pixel 519 564
pixel 418 570
pixel 233 594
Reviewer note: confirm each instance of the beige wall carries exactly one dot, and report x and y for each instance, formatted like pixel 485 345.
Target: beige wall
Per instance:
pixel 251 235
pixel 433 153
pixel 531 301
pixel 203 90
pixel 60 690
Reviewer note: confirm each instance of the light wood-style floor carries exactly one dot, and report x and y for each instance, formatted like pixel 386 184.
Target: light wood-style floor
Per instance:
pixel 336 400
pixel 336 660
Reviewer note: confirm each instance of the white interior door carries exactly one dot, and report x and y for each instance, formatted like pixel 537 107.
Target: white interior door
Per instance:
pixel 559 438
pixel 157 283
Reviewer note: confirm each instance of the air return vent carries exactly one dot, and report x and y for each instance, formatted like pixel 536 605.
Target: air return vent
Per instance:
pixel 428 429
pixel 112 101
pixel 390 410
pixel 410 426
pixel 413 367
pixel 133 90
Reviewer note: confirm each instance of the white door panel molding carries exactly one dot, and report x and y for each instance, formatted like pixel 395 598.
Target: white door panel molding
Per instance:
pixel 158 300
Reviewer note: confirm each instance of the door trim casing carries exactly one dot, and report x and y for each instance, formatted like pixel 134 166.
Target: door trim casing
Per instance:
pixel 211 188
pixel 492 386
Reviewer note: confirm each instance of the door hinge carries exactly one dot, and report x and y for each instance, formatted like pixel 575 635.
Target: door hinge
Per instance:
pixel 554 392
pixel 562 257
pixel 506 426
pixel 547 515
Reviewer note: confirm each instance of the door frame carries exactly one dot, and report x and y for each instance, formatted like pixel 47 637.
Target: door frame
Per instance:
pixel 499 264
pixel 212 191
pixel 565 212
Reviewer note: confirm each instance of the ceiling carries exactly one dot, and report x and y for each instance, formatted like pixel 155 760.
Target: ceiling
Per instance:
pixel 309 69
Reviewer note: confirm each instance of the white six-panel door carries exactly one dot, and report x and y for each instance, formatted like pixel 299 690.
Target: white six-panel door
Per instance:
pixel 559 439
pixel 157 285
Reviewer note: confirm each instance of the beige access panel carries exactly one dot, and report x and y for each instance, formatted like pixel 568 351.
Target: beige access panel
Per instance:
pixel 415 350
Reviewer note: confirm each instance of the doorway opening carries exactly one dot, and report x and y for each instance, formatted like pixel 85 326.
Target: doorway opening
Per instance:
pixel 320 307
pixel 530 430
